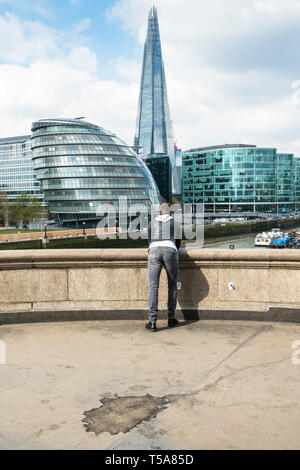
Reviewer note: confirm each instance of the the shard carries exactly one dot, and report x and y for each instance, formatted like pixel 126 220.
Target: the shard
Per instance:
pixel 154 131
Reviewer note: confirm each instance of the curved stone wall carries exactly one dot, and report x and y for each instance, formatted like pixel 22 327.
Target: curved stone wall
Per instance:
pixel 82 284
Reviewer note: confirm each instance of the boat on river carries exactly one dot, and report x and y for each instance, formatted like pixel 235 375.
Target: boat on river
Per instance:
pixel 277 239
pixel 266 238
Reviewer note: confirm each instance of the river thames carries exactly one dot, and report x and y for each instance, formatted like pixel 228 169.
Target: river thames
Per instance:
pixel 245 240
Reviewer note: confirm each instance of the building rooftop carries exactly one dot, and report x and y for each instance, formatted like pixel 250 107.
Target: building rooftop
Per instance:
pixel 216 147
pixel 15 140
pixel 52 121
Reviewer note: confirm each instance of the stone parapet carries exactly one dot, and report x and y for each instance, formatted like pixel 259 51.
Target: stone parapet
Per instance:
pixel 104 283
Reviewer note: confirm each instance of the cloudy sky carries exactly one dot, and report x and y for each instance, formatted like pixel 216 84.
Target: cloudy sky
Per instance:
pixel 232 66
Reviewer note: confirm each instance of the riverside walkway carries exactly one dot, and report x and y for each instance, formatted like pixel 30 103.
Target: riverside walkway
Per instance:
pixel 204 385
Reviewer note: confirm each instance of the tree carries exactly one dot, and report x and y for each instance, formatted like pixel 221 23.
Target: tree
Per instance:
pixel 25 208
pixel 175 201
pixel 4 208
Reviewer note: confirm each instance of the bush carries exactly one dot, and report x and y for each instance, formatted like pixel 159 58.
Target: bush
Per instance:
pixel 96 243
pixel 72 243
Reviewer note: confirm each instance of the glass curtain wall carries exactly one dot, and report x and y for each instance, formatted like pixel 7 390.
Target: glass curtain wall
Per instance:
pixel 238 178
pixel 84 169
pixel 17 174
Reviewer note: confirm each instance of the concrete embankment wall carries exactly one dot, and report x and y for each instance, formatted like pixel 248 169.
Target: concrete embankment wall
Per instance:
pixel 37 285
pixel 27 235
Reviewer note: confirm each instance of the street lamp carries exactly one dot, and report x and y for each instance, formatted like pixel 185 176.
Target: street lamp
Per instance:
pixel 84 234
pixel 45 239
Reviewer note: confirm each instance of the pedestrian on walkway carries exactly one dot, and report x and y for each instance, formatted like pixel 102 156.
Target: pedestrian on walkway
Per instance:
pixel 164 238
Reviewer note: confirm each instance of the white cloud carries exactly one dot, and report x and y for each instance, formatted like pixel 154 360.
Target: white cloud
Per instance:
pixel 199 123
pixel 41 80
pixel 59 89
pixel 21 41
pixel 40 7
pixel 83 25
pixel 231 34
pixel 127 69
pixel 230 66
pixel 232 72
pixel 83 58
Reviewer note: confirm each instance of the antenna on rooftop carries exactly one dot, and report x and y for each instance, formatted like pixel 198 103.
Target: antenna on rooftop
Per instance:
pixel 82 117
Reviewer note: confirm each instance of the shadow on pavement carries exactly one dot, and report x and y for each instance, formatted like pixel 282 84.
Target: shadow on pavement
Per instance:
pixel 180 324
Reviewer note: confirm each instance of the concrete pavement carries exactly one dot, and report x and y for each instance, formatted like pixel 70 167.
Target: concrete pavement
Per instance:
pixel 203 385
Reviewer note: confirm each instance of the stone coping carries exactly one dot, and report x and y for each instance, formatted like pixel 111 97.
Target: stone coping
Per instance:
pixel 137 254
pixel 89 258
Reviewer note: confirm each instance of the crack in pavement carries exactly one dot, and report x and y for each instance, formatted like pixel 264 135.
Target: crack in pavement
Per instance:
pixel 264 364
pixel 241 345
pixel 228 356
pixel 254 404
pixel 236 371
pixel 122 414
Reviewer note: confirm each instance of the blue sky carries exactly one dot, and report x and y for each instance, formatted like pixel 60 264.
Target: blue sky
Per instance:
pixel 96 29
pixel 232 66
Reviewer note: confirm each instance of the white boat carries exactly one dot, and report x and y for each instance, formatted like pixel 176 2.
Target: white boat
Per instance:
pixel 276 231
pixel 266 238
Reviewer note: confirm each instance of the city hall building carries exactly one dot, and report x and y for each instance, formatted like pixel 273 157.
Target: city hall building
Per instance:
pixel 239 178
pixel 84 170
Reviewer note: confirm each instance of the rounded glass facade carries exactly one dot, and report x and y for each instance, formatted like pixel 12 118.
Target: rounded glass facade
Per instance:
pixel 83 168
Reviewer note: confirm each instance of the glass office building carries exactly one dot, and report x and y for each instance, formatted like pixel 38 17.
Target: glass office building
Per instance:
pixel 154 129
pixel 297 182
pixel 285 180
pixel 84 169
pixel 161 170
pixel 238 177
pixel 17 174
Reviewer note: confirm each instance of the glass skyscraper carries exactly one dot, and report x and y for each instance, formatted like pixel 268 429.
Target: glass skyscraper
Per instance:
pixel 238 177
pixel 154 130
pixel 84 169
pixel 17 174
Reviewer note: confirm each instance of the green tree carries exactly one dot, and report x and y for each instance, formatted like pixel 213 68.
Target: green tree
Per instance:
pixel 26 208
pixel 175 201
pixel 4 208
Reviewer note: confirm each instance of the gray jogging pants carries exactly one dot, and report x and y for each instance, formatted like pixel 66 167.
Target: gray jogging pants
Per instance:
pixel 157 258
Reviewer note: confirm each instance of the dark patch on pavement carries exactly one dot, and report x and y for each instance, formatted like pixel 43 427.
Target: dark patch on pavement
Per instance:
pixel 121 414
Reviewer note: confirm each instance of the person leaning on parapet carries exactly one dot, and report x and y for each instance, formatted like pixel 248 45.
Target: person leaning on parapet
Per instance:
pixel 163 251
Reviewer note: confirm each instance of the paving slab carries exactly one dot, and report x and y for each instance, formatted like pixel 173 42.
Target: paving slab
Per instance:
pixel 114 385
